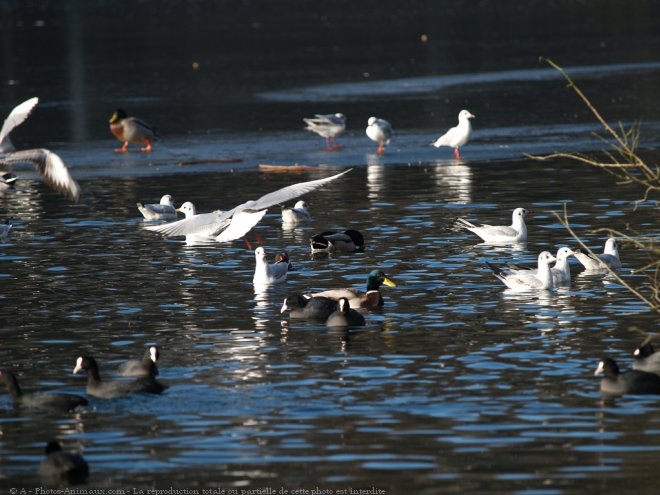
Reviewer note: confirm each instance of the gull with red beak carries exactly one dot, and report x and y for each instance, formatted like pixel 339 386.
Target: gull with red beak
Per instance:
pixel 457 136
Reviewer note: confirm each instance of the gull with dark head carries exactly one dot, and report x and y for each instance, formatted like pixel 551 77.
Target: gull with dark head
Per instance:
pixel 233 224
pixel 50 166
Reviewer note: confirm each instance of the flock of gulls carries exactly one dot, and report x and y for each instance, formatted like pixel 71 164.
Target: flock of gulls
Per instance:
pixel 339 307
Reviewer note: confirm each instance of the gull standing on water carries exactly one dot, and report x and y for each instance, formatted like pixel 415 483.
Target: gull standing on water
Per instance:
pixel 457 136
pixel 328 126
pixel 162 211
pixel 48 164
pixel 609 258
pixel 235 223
pixel 379 130
pixel 524 280
pixel 500 234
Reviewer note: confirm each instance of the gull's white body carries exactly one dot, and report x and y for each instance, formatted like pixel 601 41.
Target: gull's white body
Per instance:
pixel 500 234
pixel 457 136
pixel 609 257
pixel 268 273
pixel 526 280
pixel 561 272
pixel 235 223
pixel 296 215
pixel 380 131
pixel 164 210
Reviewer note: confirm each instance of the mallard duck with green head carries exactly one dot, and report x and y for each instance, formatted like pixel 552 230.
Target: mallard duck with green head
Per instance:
pixel 131 130
pixel 372 298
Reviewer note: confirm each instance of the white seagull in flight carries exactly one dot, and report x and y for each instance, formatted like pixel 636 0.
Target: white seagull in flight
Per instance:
pixel 235 223
pixel 48 164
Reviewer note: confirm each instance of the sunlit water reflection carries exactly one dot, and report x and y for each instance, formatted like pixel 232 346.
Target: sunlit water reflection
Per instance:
pixel 446 385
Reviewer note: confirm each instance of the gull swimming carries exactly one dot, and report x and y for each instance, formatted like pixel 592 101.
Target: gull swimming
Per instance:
pixel 235 223
pixel 379 130
pixel 50 166
pixel 561 272
pixel 495 234
pixel 269 273
pixel 164 210
pixel 457 136
pixel 608 259
pixel 296 215
pixel 524 280
pixel 328 126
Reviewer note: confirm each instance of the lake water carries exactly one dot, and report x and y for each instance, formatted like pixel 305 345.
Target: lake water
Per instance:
pixel 456 385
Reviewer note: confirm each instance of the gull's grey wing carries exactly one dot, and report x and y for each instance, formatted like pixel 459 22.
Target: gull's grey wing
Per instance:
pixel 50 167
pixel 288 193
pixel 203 224
pixel 16 117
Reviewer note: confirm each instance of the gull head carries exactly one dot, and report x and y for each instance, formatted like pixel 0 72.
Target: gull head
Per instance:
pixel 465 115
pixel 564 252
pixel 167 200
pixel 611 246
pixel 546 257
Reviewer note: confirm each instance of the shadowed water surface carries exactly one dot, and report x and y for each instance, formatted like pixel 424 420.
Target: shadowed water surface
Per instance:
pixel 456 384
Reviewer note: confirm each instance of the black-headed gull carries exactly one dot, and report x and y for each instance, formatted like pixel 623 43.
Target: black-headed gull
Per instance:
pixel 630 382
pixel 457 136
pixel 328 126
pixel 235 223
pixel 379 130
pixel 609 257
pixel 561 272
pixel 142 367
pixel 266 273
pixel 645 358
pixel 525 280
pixel 372 298
pixel 500 234
pixel 164 210
pixel 347 241
pixel 50 167
pixel 345 316
pixel 296 215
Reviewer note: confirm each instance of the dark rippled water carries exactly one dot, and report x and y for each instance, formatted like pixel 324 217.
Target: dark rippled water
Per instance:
pixel 456 385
